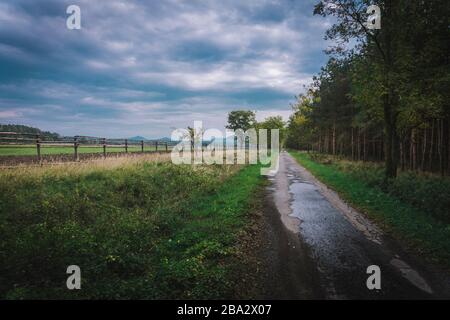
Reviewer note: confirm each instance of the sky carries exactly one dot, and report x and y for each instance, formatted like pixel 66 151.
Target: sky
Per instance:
pixel 148 67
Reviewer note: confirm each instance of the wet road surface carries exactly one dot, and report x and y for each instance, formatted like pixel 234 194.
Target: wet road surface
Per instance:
pixel 342 244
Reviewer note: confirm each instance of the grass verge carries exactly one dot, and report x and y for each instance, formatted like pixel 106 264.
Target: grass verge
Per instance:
pixel 144 230
pixel 411 224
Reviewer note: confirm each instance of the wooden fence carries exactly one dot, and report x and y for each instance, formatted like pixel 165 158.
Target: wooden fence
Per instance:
pixel 40 141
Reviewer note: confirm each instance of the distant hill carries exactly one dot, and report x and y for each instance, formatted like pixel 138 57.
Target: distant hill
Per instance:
pixel 53 136
pixel 138 138
pixel 26 129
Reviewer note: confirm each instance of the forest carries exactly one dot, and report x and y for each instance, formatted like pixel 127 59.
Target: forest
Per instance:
pixel 383 95
pixel 29 130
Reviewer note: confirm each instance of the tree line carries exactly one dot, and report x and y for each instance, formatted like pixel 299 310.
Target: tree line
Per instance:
pixel 18 128
pixel 246 119
pixel 385 97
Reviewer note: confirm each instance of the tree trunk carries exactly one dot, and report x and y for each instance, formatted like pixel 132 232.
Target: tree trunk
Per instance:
pixel 424 150
pixel 390 143
pixel 364 146
pixel 413 150
pixel 389 99
pixel 441 146
pixel 353 146
pixel 430 161
pixel 334 139
pixel 402 156
pixel 320 142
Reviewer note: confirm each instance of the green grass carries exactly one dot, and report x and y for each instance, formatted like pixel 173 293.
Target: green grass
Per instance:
pixel 426 192
pixel 146 231
pixel 31 150
pixel 402 216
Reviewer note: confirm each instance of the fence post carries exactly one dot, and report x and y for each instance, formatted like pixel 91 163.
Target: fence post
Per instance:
pixel 166 146
pixel 156 144
pixel 126 145
pixel 142 146
pixel 75 148
pixel 104 147
pixel 38 147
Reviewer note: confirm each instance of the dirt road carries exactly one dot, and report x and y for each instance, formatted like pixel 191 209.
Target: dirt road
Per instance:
pixel 322 248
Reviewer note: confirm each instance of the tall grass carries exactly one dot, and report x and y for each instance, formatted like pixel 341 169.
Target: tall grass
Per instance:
pixel 426 192
pixel 138 228
pixel 30 150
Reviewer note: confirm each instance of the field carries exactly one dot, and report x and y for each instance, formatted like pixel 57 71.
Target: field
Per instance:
pixel 30 150
pixel 414 208
pixel 138 227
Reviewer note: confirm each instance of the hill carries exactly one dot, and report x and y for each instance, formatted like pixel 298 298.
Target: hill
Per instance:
pixel 138 138
pixel 26 129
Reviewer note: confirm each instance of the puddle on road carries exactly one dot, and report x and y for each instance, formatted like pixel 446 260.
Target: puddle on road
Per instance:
pixel 342 253
pixel 331 237
pixel 322 227
pixel 340 242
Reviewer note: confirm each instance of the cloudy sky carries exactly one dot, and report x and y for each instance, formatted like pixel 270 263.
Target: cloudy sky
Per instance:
pixel 147 67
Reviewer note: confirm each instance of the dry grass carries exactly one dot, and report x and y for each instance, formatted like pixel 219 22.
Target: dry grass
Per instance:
pixel 82 167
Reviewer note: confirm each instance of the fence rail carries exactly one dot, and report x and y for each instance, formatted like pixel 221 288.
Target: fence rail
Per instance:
pixel 39 141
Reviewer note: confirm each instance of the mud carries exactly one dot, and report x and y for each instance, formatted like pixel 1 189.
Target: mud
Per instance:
pixel 289 272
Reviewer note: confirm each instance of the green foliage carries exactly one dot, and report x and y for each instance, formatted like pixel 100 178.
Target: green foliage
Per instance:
pixel 427 193
pixel 148 230
pixel 241 119
pixel 388 90
pixel 411 214
pixel 26 129
pixel 270 123
pixel 300 130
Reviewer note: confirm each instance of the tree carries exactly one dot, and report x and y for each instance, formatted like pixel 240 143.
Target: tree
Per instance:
pixel 194 136
pixel 351 18
pixel 46 135
pixel 270 123
pixel 387 96
pixel 241 119
pixel 300 131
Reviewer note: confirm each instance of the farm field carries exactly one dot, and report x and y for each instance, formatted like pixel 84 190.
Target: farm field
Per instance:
pixel 30 150
pixel 138 227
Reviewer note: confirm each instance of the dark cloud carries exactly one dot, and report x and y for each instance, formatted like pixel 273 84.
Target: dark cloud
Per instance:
pixel 143 67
